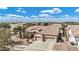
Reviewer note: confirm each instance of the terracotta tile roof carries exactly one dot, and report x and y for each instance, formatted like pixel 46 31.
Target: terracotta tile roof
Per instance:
pixel 35 28
pixel 75 30
pixel 49 30
pixel 64 47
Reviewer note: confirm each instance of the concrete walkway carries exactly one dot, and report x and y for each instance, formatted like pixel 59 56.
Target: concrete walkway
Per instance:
pixel 35 46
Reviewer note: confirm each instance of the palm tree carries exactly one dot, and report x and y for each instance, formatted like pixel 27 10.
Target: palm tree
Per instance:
pixel 63 28
pixel 21 30
pixel 62 33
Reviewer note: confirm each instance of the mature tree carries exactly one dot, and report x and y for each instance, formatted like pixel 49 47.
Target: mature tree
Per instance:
pixel 21 30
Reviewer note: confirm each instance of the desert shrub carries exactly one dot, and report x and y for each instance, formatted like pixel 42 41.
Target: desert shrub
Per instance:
pixel 29 35
pixel 5 35
pixel 4 25
pixel 46 24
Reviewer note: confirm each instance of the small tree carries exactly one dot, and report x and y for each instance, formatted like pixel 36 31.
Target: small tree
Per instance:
pixel 18 29
pixel 39 23
pixel 46 24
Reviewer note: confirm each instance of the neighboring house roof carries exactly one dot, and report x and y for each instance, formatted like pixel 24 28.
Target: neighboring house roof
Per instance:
pixel 48 30
pixel 35 27
pixel 51 30
pixel 75 30
pixel 64 47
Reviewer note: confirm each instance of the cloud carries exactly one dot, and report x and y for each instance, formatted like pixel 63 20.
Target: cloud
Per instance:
pixel 40 16
pixel 69 18
pixel 3 7
pixel 14 18
pixel 77 10
pixel 33 16
pixel 43 15
pixel 21 10
pixel 18 10
pixel 53 11
pixel 65 16
pixel 27 17
pixel 13 15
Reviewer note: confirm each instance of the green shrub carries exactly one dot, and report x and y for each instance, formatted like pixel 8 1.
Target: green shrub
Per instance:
pixel 5 35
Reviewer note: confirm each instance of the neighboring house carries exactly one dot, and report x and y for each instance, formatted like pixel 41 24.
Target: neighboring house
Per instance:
pixel 45 33
pixel 75 32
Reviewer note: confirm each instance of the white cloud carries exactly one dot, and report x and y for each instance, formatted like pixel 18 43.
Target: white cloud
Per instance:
pixel 43 15
pixel 27 17
pixel 77 10
pixel 65 16
pixel 33 16
pixel 21 10
pixel 3 7
pixel 53 11
pixel 40 15
pixel 18 10
pixel 13 15
pixel 14 18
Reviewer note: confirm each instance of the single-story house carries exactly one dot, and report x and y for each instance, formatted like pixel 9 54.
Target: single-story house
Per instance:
pixel 44 33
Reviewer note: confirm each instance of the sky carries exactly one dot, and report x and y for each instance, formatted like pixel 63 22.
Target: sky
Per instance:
pixel 39 14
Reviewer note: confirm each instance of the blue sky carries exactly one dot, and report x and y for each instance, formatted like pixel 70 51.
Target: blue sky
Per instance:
pixel 35 14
